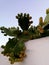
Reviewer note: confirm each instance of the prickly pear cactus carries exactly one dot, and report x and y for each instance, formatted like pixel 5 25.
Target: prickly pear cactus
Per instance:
pixel 46 20
pixel 15 47
pixel 41 21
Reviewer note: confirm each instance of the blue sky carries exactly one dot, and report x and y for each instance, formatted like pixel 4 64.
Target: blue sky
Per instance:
pixel 10 8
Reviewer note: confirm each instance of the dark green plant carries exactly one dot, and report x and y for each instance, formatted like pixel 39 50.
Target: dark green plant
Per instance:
pixel 15 47
pixel 24 20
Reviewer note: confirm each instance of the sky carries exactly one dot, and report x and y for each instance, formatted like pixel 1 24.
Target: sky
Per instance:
pixel 10 8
